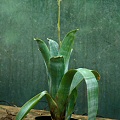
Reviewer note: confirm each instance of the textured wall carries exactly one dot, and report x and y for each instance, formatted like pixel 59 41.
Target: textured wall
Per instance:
pixel 22 72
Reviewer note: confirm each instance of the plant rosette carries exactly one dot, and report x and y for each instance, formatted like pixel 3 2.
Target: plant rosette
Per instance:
pixel 63 83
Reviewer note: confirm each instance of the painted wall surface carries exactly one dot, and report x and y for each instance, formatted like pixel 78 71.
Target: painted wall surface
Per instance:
pixel 97 46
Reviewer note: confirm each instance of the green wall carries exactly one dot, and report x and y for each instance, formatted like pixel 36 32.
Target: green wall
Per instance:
pixel 22 70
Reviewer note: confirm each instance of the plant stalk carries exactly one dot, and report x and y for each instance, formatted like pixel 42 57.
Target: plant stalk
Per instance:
pixel 59 41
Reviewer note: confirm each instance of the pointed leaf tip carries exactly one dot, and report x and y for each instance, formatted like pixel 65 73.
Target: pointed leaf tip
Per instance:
pixel 44 50
pixel 36 39
pixel 97 75
pixel 67 46
pixel 49 39
pixel 73 31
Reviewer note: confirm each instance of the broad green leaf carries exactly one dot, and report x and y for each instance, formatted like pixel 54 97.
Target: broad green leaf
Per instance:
pixel 53 48
pixel 71 103
pixel 32 102
pixel 70 81
pixel 63 91
pixel 56 70
pixel 77 79
pixel 92 91
pixel 44 50
pixel 67 46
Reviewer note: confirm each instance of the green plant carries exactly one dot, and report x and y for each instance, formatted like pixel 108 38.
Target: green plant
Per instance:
pixel 63 83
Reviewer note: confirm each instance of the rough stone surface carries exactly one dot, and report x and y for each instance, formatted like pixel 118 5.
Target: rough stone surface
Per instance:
pixel 9 113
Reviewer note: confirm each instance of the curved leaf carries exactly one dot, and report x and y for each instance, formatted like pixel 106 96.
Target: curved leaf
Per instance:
pixel 92 90
pixel 67 46
pixel 53 48
pixel 56 70
pixel 71 103
pixel 70 82
pixel 63 91
pixel 44 50
pixel 77 79
pixel 32 102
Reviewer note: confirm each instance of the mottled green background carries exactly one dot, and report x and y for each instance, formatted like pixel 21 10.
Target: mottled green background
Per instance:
pixel 22 70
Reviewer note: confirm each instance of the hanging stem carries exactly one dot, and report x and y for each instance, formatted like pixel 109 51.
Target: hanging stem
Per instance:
pixel 59 22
